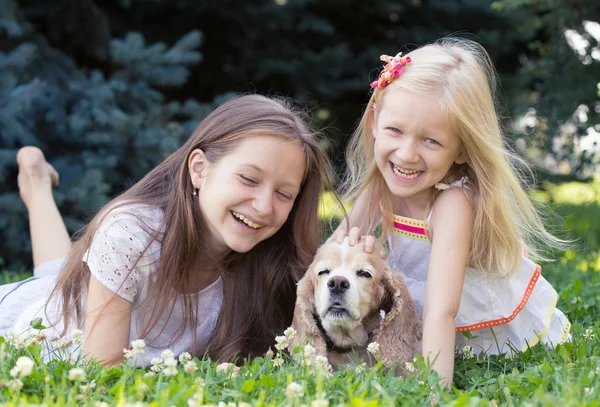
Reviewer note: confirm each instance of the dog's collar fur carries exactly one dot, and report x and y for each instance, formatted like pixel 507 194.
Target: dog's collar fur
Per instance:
pixel 331 347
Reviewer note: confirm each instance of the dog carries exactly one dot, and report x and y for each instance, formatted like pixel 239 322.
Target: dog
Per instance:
pixel 349 298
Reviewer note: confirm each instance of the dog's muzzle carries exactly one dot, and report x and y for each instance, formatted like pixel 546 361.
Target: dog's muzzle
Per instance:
pixel 338 286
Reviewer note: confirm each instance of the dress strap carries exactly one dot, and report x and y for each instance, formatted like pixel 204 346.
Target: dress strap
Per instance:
pixel 459 183
pixel 462 183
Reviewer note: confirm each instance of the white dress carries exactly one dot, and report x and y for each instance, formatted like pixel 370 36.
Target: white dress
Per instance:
pixel 503 314
pixel 118 242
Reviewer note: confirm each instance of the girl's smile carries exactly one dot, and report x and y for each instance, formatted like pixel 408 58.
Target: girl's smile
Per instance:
pixel 246 221
pixel 405 174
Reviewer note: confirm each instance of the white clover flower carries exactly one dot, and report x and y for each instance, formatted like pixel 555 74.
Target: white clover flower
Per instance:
pixel 294 390
pixel 224 367
pixel 190 366
pixel 322 362
pixel 290 333
pixel 28 340
pixel 127 354
pixel 281 343
pixel 16 341
pixel 277 361
pixel 167 354
pixel 71 358
pixel 149 374
pixel 77 336
pixel 170 371
pixel 156 364
pixel 14 372
pixel 87 388
pixel 15 385
pixel 137 347
pixel 23 367
pixel 309 351
pixel 12 338
pixel 61 343
pixel 76 374
pixel 170 362
pixel 467 352
pixel 184 357
pixel 373 349
pixel 143 387
pixel 409 366
pixel 194 403
pixel 200 382
pixel 319 403
pixel 360 369
pixel 40 337
pixel 323 366
pixel 270 354
pixel 589 334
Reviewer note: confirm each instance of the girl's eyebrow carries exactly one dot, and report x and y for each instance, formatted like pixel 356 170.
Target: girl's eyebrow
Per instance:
pixel 253 166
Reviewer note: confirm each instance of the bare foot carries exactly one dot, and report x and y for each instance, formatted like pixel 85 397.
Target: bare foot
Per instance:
pixel 36 175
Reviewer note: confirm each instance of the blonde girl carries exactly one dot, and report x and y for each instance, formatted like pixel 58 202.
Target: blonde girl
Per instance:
pixel 201 255
pixel 428 159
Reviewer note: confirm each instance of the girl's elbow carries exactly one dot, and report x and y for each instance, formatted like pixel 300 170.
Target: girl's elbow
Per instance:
pixel 440 315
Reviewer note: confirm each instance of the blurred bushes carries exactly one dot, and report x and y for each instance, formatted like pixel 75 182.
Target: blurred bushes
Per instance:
pixel 107 89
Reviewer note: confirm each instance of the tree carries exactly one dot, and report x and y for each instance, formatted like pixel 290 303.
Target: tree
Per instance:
pixel 101 132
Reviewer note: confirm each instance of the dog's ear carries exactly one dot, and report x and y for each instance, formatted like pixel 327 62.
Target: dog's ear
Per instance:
pixel 304 322
pixel 400 330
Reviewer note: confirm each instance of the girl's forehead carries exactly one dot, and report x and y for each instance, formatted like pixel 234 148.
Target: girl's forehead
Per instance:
pixel 280 157
pixel 413 106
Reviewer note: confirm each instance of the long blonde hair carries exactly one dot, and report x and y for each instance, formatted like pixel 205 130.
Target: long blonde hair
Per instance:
pixel 460 74
pixel 259 287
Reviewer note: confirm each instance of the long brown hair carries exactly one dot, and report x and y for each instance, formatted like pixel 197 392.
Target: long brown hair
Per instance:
pixel 259 287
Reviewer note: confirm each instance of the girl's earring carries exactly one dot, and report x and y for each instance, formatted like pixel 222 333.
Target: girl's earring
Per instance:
pixel 194 190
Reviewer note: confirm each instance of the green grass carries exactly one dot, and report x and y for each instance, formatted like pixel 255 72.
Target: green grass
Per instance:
pixel 567 376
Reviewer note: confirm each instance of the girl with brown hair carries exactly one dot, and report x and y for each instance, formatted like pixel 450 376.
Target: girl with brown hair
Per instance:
pixel 201 255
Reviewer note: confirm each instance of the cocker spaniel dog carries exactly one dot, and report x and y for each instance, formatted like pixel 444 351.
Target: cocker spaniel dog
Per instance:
pixel 349 298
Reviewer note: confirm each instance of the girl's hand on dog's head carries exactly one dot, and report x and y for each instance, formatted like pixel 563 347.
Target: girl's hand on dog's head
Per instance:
pixel 354 237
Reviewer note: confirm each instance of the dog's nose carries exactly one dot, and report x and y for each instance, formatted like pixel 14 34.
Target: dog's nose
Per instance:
pixel 338 284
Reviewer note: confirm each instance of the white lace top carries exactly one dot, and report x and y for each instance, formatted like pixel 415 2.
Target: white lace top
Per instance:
pixel 119 241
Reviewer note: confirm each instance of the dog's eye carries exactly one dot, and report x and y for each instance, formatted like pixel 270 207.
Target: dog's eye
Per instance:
pixel 323 272
pixel 364 273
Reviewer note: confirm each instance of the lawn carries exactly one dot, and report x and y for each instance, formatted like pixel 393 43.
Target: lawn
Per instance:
pixel 567 376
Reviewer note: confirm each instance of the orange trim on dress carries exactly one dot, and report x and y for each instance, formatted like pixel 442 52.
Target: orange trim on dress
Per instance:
pixel 502 321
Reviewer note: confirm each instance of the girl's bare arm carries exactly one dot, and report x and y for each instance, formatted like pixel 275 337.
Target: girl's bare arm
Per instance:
pixel 108 321
pixel 450 227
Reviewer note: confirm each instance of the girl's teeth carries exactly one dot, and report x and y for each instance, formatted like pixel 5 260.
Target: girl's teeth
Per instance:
pixel 407 174
pixel 247 221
